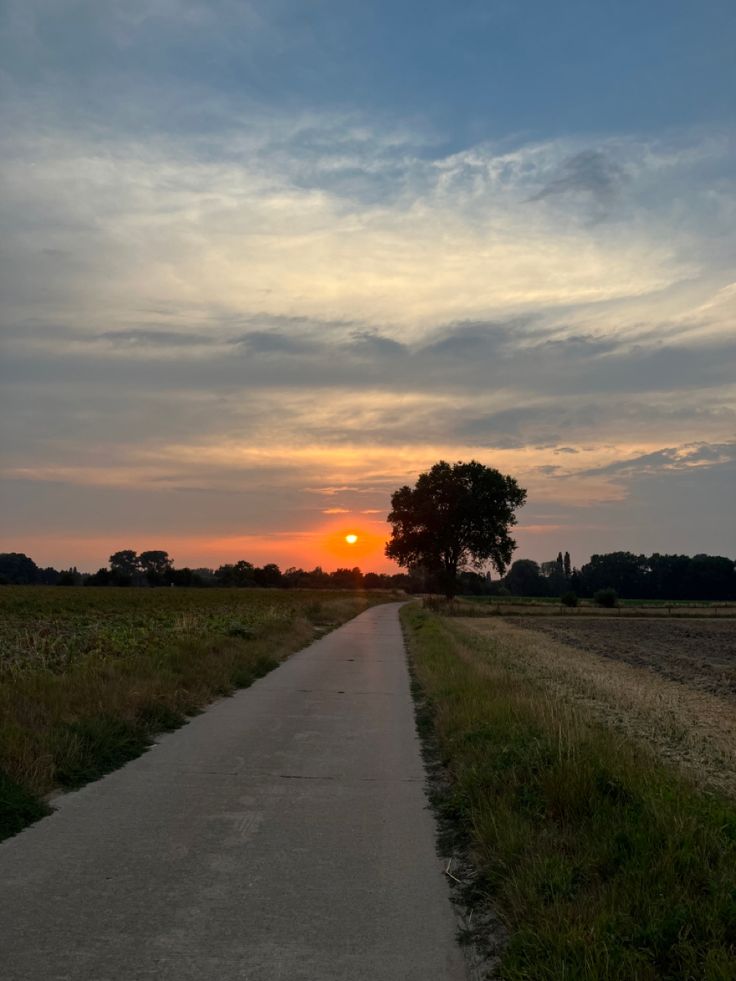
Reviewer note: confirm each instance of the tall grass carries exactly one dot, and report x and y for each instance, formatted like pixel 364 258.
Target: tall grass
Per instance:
pixel 603 863
pixel 89 676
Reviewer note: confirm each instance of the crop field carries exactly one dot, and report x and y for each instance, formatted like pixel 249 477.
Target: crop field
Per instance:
pixel 54 628
pixel 89 675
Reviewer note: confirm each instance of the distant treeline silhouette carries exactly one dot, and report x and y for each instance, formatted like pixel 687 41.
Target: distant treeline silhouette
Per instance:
pixel 656 577
pixel 642 577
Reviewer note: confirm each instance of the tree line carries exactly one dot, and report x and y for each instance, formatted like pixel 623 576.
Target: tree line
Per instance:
pixel 655 577
pixel 631 576
pixel 447 531
pixel 155 567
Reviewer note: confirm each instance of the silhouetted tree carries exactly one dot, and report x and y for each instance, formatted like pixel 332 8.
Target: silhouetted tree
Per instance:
pixel 455 515
pixel 567 565
pixel 525 578
pixel 472 583
pixel 623 571
pixel 713 577
pixel 554 575
pixel 269 575
pixel 240 574
pixel 125 563
pixel 154 564
pixel 347 578
pixel 18 569
pixel 377 580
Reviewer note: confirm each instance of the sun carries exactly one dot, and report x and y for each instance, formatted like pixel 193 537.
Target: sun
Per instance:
pixel 351 539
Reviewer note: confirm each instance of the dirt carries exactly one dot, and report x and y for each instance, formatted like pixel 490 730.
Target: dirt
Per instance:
pixel 698 653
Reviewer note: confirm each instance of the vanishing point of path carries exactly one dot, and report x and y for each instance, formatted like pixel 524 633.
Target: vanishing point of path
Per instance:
pixel 283 834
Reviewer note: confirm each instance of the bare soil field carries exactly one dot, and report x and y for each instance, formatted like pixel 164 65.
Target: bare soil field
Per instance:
pixel 697 653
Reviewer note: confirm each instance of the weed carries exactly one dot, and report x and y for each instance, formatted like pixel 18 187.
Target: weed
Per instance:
pixel 88 748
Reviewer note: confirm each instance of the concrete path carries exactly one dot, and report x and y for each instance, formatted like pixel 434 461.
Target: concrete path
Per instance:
pixel 283 834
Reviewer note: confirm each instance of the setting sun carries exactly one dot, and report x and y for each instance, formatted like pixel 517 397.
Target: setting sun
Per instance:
pixel 351 539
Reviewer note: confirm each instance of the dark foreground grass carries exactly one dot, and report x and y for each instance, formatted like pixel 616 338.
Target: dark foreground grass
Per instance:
pixel 89 677
pixel 603 863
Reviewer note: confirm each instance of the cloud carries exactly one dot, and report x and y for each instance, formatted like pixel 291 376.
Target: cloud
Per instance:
pixel 313 301
pixel 592 172
pixel 672 458
pixel 126 226
pixel 151 338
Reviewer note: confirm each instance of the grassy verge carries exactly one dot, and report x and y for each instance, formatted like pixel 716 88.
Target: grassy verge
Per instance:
pixel 88 677
pixel 603 863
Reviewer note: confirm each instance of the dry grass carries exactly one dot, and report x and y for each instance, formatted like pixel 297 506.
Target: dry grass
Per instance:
pixel 692 729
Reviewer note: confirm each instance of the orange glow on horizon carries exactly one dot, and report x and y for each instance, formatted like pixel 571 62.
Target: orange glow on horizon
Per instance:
pixel 324 544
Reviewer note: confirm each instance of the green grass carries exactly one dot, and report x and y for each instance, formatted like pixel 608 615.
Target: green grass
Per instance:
pixel 603 863
pixel 89 676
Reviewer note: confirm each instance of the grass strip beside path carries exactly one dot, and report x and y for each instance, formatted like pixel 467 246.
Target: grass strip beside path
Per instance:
pixel 603 863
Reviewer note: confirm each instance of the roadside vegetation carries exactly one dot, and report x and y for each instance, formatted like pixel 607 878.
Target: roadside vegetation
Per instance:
pixel 603 861
pixel 88 677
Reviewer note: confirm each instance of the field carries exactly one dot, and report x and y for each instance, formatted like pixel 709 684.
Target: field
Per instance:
pixel 629 675
pixel 88 676
pixel 700 654
pixel 594 794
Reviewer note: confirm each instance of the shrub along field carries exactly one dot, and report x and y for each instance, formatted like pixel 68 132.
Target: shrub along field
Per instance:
pixel 88 676
pixel 603 861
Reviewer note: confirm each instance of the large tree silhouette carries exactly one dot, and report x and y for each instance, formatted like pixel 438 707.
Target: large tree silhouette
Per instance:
pixel 456 515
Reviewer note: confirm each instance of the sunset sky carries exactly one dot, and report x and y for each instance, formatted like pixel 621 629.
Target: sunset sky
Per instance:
pixel 264 262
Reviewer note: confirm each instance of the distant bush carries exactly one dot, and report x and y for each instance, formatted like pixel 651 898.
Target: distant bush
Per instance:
pixel 498 589
pixel 606 597
pixel 569 599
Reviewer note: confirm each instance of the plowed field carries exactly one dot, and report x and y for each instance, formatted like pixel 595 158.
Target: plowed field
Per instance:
pixel 698 653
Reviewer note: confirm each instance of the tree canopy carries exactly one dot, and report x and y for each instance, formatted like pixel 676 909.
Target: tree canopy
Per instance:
pixel 456 515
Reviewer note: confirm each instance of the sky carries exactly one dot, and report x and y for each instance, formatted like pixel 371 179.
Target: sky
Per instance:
pixel 262 263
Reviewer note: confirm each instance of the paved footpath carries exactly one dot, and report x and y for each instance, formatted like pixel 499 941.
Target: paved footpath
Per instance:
pixel 283 834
